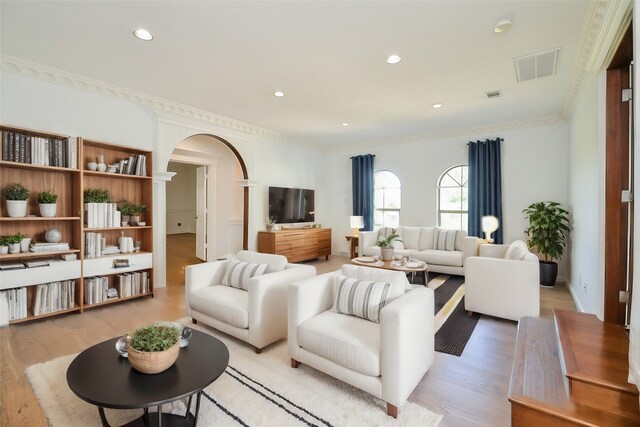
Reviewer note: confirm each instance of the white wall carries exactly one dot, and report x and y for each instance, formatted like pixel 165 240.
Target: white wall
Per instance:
pixel 181 199
pixel 534 168
pixel 586 200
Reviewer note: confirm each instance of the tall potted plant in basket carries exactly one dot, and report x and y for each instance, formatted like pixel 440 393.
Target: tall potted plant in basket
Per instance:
pixel 386 245
pixel 548 231
pixel 154 348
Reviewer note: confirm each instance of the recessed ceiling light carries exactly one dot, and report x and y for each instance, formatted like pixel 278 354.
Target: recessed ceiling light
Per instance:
pixel 503 26
pixel 143 34
pixel 344 124
pixel 393 59
pixel 279 94
pixel 438 105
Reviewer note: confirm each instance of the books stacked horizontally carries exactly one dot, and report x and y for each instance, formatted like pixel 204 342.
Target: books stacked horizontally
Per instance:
pixel 17 299
pixel 134 165
pixel 36 150
pixel 48 247
pixel 96 290
pixel 54 296
pixel 101 215
pixel 134 283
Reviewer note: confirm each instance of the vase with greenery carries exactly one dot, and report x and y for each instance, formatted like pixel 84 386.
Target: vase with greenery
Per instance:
pixel 271 222
pixel 4 245
pixel 13 242
pixel 97 195
pixel 386 245
pixel 547 234
pixel 136 211
pixel 47 203
pixel 16 196
pixel 153 349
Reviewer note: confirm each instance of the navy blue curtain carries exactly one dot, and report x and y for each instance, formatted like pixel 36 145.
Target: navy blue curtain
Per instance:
pixel 362 183
pixel 485 186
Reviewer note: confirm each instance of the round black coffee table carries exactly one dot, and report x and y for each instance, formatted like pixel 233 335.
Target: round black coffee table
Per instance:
pixel 101 377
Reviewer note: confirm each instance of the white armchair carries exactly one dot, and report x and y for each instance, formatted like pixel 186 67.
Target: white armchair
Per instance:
pixel 258 315
pixel 385 359
pixel 505 288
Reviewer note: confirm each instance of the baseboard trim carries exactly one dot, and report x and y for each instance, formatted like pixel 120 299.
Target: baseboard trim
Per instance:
pixel 576 301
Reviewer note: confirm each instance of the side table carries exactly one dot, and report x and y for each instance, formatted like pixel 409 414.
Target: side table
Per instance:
pixel 353 240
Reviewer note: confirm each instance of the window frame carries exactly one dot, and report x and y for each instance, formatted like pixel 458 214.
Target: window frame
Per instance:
pixel 439 211
pixel 383 209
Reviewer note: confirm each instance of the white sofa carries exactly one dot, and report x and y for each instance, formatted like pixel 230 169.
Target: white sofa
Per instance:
pixel 417 242
pixel 385 359
pixel 258 315
pixel 506 288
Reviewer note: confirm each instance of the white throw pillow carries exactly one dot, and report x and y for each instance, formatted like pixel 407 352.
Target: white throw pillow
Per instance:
pixel 444 240
pixel 238 273
pixel 361 298
pixel 398 279
pixel 516 251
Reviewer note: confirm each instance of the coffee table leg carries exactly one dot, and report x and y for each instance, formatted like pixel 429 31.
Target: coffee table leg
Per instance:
pixel 159 415
pixel 103 418
pixel 186 415
pixel 195 421
pixel 147 423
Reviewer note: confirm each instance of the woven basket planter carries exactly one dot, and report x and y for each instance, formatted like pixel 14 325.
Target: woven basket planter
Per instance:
pixel 153 362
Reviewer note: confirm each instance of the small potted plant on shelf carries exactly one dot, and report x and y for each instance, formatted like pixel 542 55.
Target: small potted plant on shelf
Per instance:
pixel 271 222
pixel 4 245
pixel 97 195
pixel 136 210
pixel 16 196
pixel 13 241
pixel 126 209
pixel 47 203
pixel 386 245
pixel 153 349
pixel 548 230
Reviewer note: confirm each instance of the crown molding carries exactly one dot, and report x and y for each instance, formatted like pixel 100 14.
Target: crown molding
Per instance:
pixel 162 107
pixel 473 131
pixel 602 26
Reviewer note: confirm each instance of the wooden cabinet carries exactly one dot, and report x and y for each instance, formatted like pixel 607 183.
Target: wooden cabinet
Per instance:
pixel 297 245
pixel 46 161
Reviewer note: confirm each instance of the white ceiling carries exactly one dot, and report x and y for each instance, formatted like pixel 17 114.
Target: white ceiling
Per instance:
pixel 228 57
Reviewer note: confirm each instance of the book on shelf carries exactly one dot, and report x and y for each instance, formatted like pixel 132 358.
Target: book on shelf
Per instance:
pixel 101 215
pixel 48 247
pixel 54 296
pixel 134 283
pixel 36 150
pixel 96 289
pixel 36 263
pixel 12 266
pixel 17 302
pixel 69 257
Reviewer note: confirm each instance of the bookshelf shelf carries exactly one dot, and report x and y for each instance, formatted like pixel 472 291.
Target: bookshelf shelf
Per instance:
pixel 128 227
pixel 29 255
pixel 31 317
pixel 115 300
pixel 41 218
pixel 28 166
pixel 114 175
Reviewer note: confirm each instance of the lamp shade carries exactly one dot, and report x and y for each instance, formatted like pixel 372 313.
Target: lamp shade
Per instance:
pixel 357 221
pixel 489 224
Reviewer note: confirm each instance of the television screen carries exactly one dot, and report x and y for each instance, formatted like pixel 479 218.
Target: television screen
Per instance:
pixel 288 205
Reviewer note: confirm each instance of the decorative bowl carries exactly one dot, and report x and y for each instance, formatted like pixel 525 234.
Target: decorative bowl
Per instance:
pixel 153 362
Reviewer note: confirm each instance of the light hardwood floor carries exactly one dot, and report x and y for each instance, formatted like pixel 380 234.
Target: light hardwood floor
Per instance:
pixel 470 390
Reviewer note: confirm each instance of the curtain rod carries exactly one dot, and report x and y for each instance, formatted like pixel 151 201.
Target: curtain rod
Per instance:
pixel 372 155
pixel 475 142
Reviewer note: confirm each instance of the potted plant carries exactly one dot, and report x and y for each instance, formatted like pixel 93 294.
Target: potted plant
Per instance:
pixel 4 245
pixel 154 348
pixel 13 241
pixel 271 222
pixel 548 230
pixel 97 195
pixel 136 210
pixel 386 245
pixel 47 203
pixel 16 196
pixel 126 209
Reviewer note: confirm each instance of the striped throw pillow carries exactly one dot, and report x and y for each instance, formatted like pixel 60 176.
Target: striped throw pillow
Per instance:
pixel 361 298
pixel 444 240
pixel 238 273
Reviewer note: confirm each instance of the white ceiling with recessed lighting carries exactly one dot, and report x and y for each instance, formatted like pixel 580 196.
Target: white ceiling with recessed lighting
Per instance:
pixel 328 57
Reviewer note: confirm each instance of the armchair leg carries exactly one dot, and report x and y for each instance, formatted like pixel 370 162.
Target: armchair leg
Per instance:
pixel 294 363
pixel 194 321
pixel 469 313
pixel 392 410
pixel 258 350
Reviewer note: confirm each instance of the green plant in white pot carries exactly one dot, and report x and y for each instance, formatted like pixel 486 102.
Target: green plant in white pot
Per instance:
pixel 47 203
pixel 386 245
pixel 548 231
pixel 4 245
pixel 16 196
pixel 13 241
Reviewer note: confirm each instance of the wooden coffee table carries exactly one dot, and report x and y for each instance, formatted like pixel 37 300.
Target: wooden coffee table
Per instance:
pixel 101 377
pixel 386 265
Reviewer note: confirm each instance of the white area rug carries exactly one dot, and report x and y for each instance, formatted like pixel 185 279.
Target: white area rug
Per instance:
pixel 256 390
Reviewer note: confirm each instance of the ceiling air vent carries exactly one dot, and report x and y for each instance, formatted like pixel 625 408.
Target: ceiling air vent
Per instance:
pixel 494 94
pixel 535 66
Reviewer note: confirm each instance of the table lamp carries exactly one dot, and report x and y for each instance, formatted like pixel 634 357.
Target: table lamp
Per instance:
pixel 489 225
pixel 357 222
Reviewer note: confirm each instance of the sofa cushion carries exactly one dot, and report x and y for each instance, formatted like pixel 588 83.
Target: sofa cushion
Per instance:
pixel 436 257
pixel 516 251
pixel 426 238
pixel 460 235
pixel 371 251
pixel 346 340
pixel 223 303
pixel 411 237
pixel 444 240
pixel 361 298
pixel 239 272
pixel 276 262
pixel 398 279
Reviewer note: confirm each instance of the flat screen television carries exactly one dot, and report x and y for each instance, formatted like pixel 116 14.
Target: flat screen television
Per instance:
pixel 289 205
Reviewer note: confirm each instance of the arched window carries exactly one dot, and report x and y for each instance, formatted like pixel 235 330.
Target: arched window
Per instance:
pixel 453 198
pixel 386 199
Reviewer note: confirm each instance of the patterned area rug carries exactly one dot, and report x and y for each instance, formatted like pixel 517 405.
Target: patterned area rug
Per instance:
pixel 255 390
pixel 453 326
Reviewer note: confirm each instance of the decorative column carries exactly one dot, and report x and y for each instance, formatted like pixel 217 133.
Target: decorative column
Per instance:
pixel 160 180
